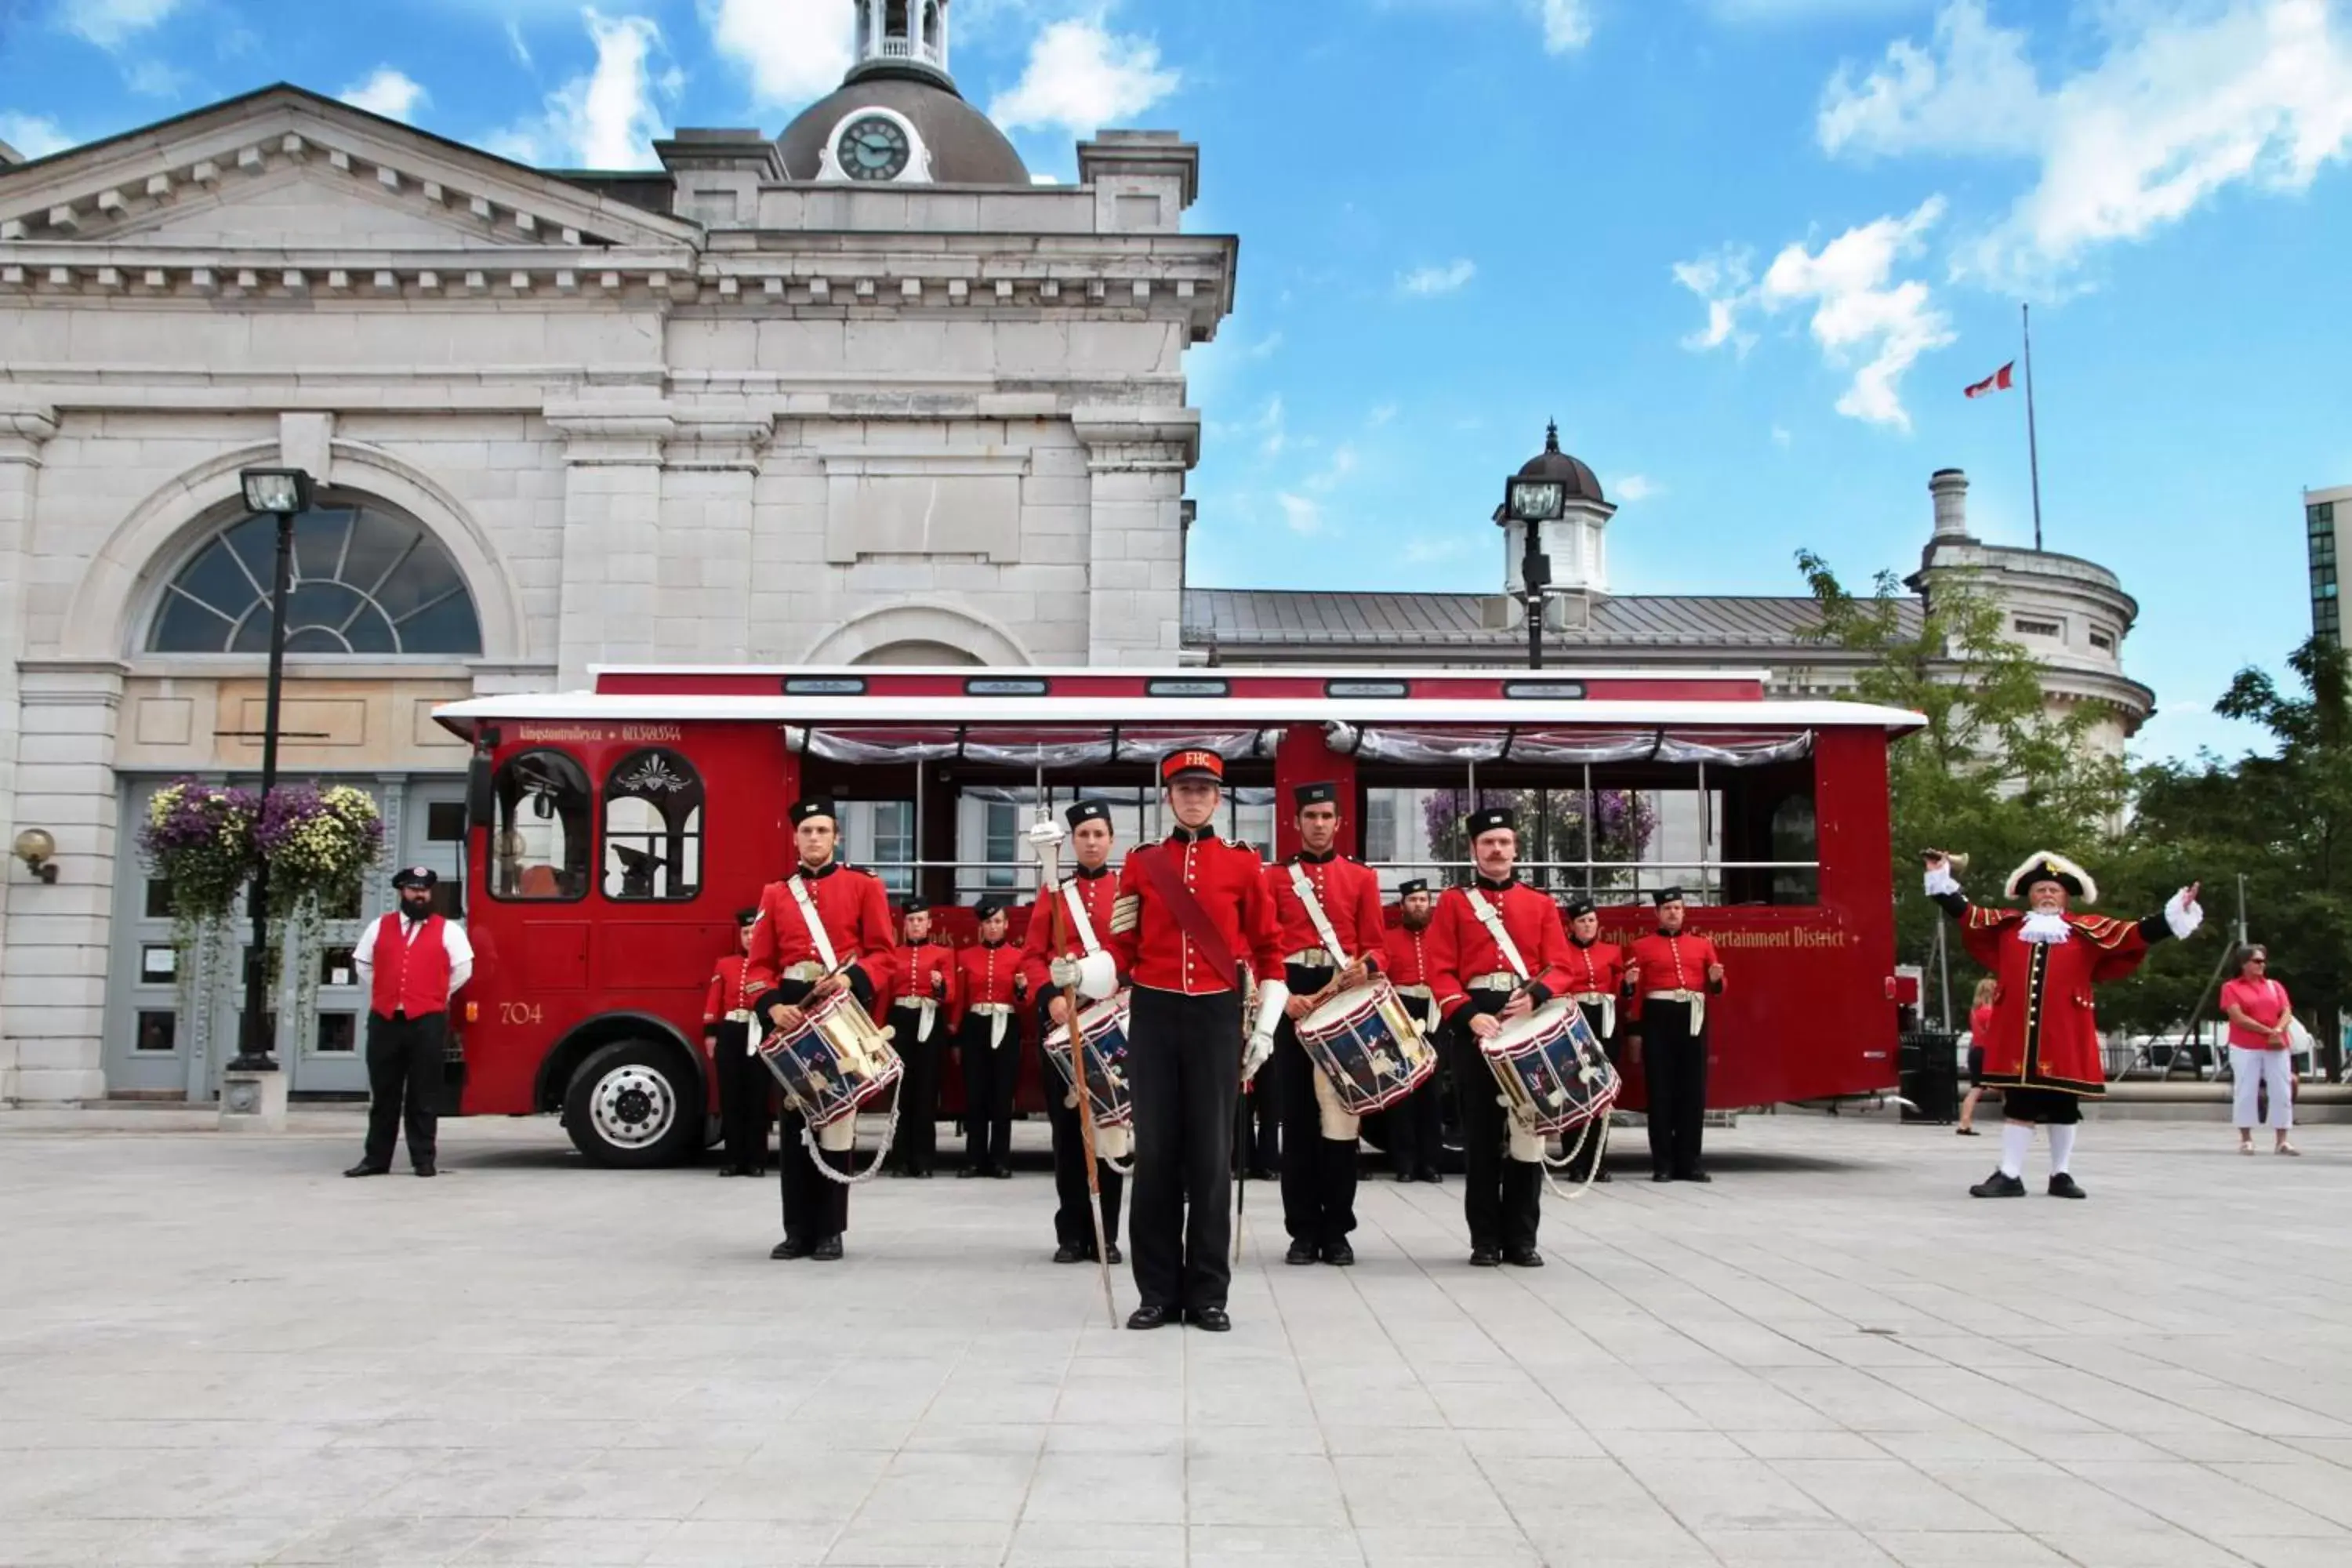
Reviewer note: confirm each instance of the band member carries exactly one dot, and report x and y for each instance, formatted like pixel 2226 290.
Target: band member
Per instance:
pixel 1596 973
pixel 2043 1054
pixel 412 962
pixel 1188 909
pixel 1415 1123
pixel 1669 975
pixel 727 1034
pixel 1087 895
pixel 987 990
pixel 1483 982
pixel 822 930
pixel 1327 911
pixel 922 981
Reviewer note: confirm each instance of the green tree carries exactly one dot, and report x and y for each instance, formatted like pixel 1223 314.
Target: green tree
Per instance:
pixel 1997 772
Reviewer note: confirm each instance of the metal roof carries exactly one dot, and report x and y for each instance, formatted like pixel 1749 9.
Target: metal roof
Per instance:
pixel 1625 622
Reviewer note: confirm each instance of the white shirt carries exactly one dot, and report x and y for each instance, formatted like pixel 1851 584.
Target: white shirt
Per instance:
pixel 453 943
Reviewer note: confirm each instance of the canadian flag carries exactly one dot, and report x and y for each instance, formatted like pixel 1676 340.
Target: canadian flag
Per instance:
pixel 1999 380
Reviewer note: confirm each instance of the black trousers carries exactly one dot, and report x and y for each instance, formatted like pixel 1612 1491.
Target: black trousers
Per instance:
pixel 1184 1070
pixel 1318 1178
pixel 405 1059
pixel 1261 1135
pixel 1502 1198
pixel 1073 1225
pixel 816 1208
pixel 1588 1157
pixel 744 1086
pixel 988 1075
pixel 1675 1060
pixel 916 1146
pixel 1415 1127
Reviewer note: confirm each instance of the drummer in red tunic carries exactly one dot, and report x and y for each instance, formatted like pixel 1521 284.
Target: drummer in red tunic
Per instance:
pixel 1086 898
pixel 2043 1055
pixel 794 964
pixel 1321 898
pixel 1479 990
pixel 1596 974
pixel 1669 975
pixel 1415 1123
pixel 743 1083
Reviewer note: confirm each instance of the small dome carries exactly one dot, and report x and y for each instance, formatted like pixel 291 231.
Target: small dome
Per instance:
pixel 966 147
pixel 1553 463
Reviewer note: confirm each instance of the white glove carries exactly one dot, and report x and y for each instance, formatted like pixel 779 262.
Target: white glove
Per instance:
pixel 1046 833
pixel 1273 996
pixel 1097 976
pixel 1260 1046
pixel 1940 881
pixel 1065 972
pixel 2181 915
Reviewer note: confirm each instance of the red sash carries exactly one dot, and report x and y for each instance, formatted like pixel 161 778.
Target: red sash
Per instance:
pixel 1190 916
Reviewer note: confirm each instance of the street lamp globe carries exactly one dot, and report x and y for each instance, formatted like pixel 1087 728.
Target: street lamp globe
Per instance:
pixel 283 491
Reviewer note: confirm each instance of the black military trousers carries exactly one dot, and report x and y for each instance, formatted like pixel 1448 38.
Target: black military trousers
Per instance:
pixel 1673 1060
pixel 988 1075
pixel 405 1058
pixel 1588 1158
pixel 744 1086
pixel 1502 1198
pixel 1073 1226
pixel 1319 1175
pixel 1415 1126
pixel 1261 1134
pixel 816 1209
pixel 1184 1070
pixel 917 1145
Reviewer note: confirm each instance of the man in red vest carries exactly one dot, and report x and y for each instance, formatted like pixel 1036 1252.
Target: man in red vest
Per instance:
pixel 728 1031
pixel 1417 1123
pixel 412 962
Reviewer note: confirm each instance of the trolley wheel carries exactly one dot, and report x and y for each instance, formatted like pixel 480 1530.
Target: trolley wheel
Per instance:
pixel 634 1105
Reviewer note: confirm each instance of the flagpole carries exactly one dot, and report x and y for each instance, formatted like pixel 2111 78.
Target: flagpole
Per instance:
pixel 2032 440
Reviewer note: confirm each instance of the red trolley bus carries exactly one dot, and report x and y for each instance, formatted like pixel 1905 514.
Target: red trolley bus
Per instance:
pixel 612 832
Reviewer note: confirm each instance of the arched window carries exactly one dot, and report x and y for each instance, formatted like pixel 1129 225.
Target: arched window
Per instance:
pixel 931 26
pixel 539 851
pixel 367 581
pixel 653 827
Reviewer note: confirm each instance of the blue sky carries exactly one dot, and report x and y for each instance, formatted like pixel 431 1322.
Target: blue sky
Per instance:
pixel 1748 252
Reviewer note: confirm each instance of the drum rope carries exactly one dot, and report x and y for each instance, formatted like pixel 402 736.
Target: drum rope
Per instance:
pixel 844 1178
pixel 1599 1119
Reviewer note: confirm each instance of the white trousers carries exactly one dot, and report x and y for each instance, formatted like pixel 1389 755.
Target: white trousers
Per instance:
pixel 2251 1069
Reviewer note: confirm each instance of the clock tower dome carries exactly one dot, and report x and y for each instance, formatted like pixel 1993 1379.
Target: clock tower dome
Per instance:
pixel 897 118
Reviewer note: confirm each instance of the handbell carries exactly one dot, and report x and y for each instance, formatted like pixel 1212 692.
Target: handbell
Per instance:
pixel 1959 859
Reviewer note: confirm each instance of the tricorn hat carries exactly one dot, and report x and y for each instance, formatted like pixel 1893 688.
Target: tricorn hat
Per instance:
pixel 2043 865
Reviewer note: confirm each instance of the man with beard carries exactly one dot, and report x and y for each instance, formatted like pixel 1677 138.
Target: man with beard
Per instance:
pixel 1415 1134
pixel 411 962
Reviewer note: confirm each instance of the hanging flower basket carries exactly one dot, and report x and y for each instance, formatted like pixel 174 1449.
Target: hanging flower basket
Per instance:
pixel 319 844
pixel 199 839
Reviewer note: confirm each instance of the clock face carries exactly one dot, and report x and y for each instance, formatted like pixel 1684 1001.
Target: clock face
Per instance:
pixel 873 148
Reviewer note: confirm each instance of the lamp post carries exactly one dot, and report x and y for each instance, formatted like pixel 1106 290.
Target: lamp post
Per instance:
pixel 285 493
pixel 1531 503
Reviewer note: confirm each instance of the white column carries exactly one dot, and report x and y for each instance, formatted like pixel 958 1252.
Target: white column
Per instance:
pixel 612 523
pixel 1136 461
pixel 704 614
pixel 23 433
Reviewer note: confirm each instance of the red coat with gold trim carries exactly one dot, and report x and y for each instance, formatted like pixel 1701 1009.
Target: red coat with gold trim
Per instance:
pixel 2044 1032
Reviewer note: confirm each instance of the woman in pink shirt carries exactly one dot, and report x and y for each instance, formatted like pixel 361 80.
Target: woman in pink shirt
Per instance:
pixel 2259 1014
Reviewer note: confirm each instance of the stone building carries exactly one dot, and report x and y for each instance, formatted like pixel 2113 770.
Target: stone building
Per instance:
pixel 862 392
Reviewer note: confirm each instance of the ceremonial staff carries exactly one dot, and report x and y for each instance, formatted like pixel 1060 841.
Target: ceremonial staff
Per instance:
pixel 1047 836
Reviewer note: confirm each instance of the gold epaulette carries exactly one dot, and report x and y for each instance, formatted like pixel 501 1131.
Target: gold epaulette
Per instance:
pixel 1125 912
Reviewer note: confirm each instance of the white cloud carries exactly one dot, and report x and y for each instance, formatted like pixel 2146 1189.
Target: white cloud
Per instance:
pixel 1272 437
pixel 1302 515
pixel 2187 99
pixel 155 79
pixel 387 92
pixel 1327 479
pixel 34 135
pixel 608 118
pixel 1721 280
pixel 1445 280
pixel 110 24
pixel 1567 25
pixel 1635 488
pixel 514 41
pixel 1081 77
pixel 1863 318
pixel 792 50
pixel 1267 346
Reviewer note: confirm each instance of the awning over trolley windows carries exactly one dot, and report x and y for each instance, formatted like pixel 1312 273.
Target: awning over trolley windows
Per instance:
pixel 1013 746
pixel 1512 743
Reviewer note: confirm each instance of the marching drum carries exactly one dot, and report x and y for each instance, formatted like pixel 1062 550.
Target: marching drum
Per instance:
pixel 835 1062
pixel 1102 1027
pixel 1552 1070
pixel 1368 1045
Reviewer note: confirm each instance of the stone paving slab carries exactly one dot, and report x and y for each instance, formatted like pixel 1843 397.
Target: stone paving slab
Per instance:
pixel 216 1351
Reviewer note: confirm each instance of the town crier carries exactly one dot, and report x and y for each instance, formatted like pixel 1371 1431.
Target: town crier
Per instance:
pixel 822 930
pixel 1328 911
pixel 2043 1055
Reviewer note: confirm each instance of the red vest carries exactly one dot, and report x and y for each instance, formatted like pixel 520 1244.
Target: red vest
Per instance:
pixel 411 977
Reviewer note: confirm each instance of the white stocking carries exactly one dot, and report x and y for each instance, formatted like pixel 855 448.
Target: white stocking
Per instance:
pixel 2061 1148
pixel 2016 1138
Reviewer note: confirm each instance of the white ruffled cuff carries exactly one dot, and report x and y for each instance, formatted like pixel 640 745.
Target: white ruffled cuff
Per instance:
pixel 1940 881
pixel 1273 996
pixel 2181 915
pixel 1097 976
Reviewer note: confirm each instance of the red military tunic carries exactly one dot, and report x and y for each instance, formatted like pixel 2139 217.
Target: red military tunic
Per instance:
pixel 1460 950
pixel 1594 969
pixel 2044 1035
pixel 1228 881
pixel 731 992
pixel 856 917
pixel 1097 891
pixel 985 975
pixel 1676 962
pixel 923 973
pixel 1404 956
pixel 1350 892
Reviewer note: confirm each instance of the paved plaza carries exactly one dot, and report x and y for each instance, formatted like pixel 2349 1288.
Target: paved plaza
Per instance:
pixel 217 1350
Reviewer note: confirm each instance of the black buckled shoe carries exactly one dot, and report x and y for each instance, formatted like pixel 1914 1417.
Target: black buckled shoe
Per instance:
pixel 1339 1254
pixel 364 1169
pixel 789 1249
pixel 1486 1258
pixel 966 1173
pixel 1066 1253
pixel 1003 1172
pixel 1213 1318
pixel 1151 1317
pixel 1662 1175
pixel 2062 1185
pixel 1300 1252
pixel 427 1168
pixel 1601 1176
pixel 1694 1176
pixel 1524 1258
pixel 1997 1185
pixel 827 1251
pixel 1429 1174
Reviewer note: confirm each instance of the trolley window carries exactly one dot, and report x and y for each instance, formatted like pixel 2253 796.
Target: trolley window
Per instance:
pixel 538 852
pixel 653 828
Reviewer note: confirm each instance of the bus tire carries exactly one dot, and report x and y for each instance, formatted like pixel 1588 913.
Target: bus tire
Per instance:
pixel 634 1105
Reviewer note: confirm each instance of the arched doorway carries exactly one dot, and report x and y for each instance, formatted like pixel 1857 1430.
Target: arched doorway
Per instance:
pixel 916 651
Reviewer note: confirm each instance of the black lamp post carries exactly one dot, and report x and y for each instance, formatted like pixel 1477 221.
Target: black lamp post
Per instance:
pixel 1531 503
pixel 285 492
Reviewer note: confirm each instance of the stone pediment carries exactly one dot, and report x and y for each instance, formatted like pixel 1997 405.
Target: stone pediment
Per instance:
pixel 285 169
